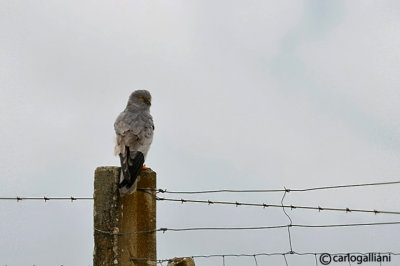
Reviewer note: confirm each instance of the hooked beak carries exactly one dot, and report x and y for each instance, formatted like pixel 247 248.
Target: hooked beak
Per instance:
pixel 148 101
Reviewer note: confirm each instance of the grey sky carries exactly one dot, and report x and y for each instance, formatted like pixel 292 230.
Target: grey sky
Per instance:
pixel 255 94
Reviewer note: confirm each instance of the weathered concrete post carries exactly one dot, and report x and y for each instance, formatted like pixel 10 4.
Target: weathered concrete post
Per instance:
pixel 181 262
pixel 116 219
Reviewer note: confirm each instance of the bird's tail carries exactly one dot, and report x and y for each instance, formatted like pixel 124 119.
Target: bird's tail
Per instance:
pixel 131 166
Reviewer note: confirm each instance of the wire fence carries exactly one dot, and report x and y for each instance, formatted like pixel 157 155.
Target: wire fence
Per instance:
pixel 283 206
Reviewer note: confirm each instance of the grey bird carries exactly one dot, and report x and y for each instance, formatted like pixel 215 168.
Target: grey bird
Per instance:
pixel 134 128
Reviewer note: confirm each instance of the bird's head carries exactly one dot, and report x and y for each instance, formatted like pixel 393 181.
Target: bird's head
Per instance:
pixel 140 99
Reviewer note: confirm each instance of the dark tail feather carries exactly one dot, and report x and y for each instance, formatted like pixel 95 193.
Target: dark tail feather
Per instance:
pixel 131 168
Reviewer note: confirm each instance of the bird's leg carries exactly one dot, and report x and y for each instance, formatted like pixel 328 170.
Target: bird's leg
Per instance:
pixel 144 167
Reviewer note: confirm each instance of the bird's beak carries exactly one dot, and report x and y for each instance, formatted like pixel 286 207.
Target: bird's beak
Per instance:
pixel 148 101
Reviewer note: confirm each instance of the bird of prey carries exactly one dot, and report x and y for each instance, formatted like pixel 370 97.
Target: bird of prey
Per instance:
pixel 134 128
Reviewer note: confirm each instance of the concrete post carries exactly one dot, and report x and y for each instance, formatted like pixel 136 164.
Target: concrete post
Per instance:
pixel 181 262
pixel 116 219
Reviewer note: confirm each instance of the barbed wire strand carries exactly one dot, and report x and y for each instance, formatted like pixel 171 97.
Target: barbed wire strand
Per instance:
pixel 164 229
pixel 44 198
pixel 211 191
pixel 264 205
pixel 274 190
pixel 210 202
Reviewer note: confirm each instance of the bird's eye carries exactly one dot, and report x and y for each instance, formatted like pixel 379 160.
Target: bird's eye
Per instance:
pixel 141 98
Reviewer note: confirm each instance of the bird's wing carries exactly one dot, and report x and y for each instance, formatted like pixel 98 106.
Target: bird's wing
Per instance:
pixel 134 137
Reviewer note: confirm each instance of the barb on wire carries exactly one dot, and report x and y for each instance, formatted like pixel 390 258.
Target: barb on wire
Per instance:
pixel 347 210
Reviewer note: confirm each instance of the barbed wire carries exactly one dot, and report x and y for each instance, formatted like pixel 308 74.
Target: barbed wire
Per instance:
pixel 45 198
pixel 71 198
pixel 213 202
pixel 272 190
pixel 284 254
pixel 165 229
pixel 264 205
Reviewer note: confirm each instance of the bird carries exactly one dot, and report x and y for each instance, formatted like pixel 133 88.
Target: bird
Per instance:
pixel 134 129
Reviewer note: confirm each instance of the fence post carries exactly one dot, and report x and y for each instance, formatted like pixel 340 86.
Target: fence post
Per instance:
pixel 181 262
pixel 115 217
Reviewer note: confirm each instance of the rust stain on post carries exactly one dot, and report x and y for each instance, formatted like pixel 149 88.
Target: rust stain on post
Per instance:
pixel 124 215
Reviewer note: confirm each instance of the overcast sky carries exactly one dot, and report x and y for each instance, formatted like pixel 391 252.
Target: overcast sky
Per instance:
pixel 246 95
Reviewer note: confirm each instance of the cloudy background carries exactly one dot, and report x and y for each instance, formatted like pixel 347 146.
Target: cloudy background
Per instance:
pixel 246 95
